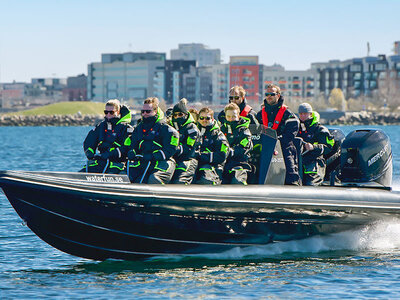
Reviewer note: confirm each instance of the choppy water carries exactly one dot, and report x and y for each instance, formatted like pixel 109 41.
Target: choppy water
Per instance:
pixel 359 264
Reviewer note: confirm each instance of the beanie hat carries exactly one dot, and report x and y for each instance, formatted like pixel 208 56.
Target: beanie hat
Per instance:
pixel 181 106
pixel 305 108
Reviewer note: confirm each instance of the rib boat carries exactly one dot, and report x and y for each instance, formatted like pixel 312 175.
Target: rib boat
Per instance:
pixel 102 216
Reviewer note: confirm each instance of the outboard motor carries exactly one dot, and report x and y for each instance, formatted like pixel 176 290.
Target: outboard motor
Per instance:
pixel 366 158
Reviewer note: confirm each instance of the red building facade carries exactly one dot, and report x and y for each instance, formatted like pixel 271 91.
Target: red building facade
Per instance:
pixel 245 71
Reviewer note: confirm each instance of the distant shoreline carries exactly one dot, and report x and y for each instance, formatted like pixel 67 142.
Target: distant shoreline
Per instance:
pixel 349 118
pixel 366 118
pixel 50 120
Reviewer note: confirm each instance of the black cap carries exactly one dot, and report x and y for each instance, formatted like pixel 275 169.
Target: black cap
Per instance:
pixel 181 106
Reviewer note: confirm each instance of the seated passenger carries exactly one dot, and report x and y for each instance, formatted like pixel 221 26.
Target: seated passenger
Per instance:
pixel 317 142
pixel 189 136
pixel 108 137
pixel 153 143
pixel 236 130
pixel 237 95
pixel 276 115
pixel 213 149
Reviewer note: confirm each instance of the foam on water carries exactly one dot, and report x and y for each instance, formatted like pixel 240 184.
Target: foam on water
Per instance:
pixel 380 236
pixel 396 184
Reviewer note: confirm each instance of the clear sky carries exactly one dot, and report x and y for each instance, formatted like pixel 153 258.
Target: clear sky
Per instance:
pixel 58 38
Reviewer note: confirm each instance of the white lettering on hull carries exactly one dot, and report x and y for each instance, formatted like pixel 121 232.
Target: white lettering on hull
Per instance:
pixel 104 179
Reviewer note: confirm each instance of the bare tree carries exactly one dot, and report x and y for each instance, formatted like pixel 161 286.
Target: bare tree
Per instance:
pixel 337 100
pixel 389 90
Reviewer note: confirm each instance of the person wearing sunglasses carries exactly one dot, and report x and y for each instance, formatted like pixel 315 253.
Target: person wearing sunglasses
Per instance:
pixel 189 138
pixel 276 115
pixel 213 149
pixel 152 146
pixel 108 138
pixel 236 130
pixel 317 142
pixel 237 95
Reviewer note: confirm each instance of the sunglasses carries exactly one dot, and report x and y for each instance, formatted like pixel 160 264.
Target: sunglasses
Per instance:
pixel 179 114
pixel 234 97
pixel 109 112
pixel 270 94
pixel 205 118
pixel 147 111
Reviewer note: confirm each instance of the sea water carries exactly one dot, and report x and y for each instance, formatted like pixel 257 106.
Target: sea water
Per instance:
pixel 362 263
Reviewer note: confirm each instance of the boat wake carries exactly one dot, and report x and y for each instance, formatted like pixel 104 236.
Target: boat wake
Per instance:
pixel 379 237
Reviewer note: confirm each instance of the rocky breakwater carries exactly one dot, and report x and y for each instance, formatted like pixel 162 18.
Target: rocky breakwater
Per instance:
pixel 50 120
pixel 367 118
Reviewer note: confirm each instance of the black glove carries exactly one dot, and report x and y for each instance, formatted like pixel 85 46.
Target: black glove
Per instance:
pixel 132 155
pixel 105 155
pixel 89 154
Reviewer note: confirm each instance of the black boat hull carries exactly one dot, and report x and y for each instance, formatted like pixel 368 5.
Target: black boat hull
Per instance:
pixel 110 218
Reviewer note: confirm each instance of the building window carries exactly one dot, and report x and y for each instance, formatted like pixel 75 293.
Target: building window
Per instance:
pixel 355 68
pixel 380 67
pixel 372 84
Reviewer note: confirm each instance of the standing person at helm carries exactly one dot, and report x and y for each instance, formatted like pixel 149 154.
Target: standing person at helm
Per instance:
pixel 317 142
pixel 276 115
pixel 108 138
pixel 153 144
pixel 237 95
pixel 189 136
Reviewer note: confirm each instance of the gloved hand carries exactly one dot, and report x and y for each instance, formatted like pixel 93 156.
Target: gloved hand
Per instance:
pixel 105 155
pixel 89 154
pixel 132 155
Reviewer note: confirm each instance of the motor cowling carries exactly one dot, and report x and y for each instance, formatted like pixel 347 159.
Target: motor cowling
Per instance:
pixel 366 157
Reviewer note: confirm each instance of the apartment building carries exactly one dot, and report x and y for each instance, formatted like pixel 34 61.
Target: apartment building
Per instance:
pixel 294 85
pixel 197 52
pixel 245 71
pixel 356 76
pixel 124 76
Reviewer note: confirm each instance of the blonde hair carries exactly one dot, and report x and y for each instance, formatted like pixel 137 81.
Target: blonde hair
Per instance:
pixel 153 101
pixel 207 110
pixel 238 89
pixel 231 106
pixel 115 103
pixel 194 113
pixel 274 86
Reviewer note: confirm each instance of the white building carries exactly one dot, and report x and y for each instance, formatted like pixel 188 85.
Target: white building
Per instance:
pixel 198 52
pixel 220 84
pixel 124 76
pixel 294 85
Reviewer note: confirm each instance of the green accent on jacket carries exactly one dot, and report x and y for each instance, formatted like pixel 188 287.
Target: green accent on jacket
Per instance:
pixel 174 141
pixel 244 142
pixel 190 141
